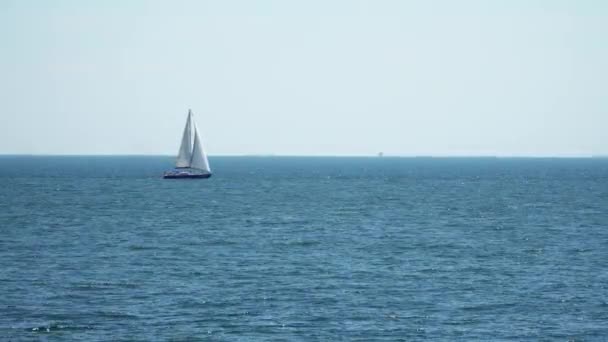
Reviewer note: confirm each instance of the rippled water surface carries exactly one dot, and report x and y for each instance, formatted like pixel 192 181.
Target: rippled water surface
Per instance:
pixel 304 249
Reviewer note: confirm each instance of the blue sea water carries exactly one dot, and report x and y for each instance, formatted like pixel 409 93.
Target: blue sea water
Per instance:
pixel 304 249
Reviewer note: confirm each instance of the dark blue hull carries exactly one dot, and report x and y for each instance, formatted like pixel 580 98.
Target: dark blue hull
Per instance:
pixel 187 176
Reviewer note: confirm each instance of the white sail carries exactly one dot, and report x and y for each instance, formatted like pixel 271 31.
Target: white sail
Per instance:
pixel 184 155
pixel 199 157
pixel 191 153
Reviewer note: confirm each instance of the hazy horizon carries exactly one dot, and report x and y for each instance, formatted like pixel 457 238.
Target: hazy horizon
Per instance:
pixel 438 156
pixel 339 78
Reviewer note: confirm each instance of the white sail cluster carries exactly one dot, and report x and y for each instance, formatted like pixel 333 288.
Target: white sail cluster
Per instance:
pixel 191 153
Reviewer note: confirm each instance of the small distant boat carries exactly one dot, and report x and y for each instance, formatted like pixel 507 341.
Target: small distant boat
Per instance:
pixel 191 159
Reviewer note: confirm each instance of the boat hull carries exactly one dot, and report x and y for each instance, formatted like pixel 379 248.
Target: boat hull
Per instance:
pixel 187 176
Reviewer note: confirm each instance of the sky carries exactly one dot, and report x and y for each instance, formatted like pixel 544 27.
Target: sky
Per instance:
pixel 314 77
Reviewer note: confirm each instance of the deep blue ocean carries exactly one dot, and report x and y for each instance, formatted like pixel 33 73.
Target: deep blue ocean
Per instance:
pixel 304 249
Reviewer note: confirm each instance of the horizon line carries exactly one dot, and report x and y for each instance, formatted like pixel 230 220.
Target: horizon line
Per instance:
pixel 270 155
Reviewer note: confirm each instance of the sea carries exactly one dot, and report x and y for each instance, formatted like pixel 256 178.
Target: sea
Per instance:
pixel 101 248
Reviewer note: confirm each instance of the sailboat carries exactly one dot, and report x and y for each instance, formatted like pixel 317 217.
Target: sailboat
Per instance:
pixel 191 159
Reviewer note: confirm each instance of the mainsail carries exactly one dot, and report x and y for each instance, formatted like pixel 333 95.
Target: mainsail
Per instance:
pixel 185 150
pixel 191 153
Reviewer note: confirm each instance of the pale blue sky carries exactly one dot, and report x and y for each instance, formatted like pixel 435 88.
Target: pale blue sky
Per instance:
pixel 513 77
